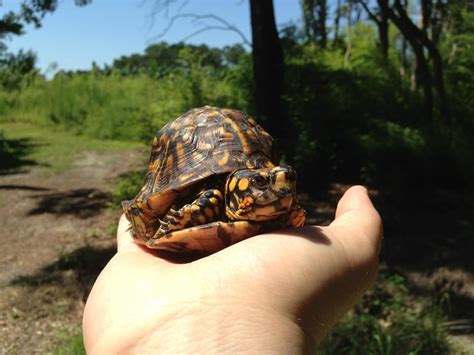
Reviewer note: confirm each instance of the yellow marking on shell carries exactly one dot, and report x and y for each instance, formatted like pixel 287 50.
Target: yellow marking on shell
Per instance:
pixel 269 164
pixel 245 146
pixel 243 184
pixel 223 161
pixel 209 212
pixel 227 135
pixel 202 219
pixel 159 175
pixel 227 111
pixel 251 134
pixel 185 177
pixel 252 122
pixel 180 154
pixel 186 136
pixel 155 141
pixel 170 162
pixel 154 165
pixel 214 201
pixel 213 114
pixel 195 208
pixel 197 156
pixel 232 184
pixel 176 135
pixel 164 138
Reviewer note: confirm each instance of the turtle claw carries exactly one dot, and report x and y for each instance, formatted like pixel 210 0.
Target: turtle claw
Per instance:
pixel 174 213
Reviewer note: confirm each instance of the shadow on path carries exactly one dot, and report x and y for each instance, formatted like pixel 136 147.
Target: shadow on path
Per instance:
pixel 13 154
pixel 86 263
pixel 82 203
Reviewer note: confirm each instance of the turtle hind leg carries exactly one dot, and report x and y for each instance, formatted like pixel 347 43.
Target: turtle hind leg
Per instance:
pixel 206 208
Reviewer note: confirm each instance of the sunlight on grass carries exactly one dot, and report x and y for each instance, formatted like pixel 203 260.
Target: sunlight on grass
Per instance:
pixel 55 149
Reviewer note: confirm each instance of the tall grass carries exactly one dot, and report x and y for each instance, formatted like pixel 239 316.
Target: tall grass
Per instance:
pixel 112 106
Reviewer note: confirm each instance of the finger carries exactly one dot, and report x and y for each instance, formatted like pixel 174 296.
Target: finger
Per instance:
pixel 124 236
pixel 358 224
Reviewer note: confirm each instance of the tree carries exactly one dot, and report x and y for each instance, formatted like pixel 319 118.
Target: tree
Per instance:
pixel 420 41
pixel 314 20
pixel 268 67
pixel 380 17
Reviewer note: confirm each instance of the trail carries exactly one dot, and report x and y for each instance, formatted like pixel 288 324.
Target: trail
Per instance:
pixel 56 233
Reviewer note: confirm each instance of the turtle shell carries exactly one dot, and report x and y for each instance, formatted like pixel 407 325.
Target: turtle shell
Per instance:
pixel 201 143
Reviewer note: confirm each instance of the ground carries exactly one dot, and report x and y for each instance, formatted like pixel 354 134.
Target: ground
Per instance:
pixel 58 232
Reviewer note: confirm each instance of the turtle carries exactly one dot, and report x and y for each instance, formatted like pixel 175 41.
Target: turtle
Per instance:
pixel 213 179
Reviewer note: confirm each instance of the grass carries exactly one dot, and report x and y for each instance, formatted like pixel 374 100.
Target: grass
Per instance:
pixel 48 147
pixel 70 342
pixel 390 321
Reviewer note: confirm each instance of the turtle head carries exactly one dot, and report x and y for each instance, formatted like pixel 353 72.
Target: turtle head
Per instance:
pixel 260 194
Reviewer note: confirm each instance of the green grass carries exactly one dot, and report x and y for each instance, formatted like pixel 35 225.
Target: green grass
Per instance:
pixel 70 342
pixel 51 149
pixel 390 321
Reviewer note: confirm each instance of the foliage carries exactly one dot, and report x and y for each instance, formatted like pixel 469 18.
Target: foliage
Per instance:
pixel 387 322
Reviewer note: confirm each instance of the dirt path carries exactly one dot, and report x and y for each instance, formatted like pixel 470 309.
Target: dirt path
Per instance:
pixel 56 232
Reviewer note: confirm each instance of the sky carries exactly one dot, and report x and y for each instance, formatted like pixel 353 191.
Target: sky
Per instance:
pixel 73 37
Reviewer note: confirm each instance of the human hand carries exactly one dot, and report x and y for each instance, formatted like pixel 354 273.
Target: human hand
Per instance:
pixel 278 292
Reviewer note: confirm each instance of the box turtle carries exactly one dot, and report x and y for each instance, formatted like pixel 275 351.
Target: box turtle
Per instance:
pixel 213 179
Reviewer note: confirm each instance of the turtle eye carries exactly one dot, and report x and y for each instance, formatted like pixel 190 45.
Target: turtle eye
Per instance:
pixel 260 182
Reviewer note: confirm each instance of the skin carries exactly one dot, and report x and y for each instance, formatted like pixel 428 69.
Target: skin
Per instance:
pixel 274 293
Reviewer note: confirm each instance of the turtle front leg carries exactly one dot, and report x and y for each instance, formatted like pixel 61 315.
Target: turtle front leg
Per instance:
pixel 293 219
pixel 206 208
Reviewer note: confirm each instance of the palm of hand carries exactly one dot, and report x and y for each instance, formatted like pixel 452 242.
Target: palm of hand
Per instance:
pixel 301 280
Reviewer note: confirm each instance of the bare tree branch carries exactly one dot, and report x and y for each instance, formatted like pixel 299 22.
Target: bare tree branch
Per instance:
pixel 195 18
pixel 372 16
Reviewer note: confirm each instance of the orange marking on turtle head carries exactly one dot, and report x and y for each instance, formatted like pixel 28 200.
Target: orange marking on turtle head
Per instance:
pixel 243 184
pixel 246 202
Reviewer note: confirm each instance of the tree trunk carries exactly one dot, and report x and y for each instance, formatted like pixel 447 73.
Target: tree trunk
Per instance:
pixel 419 40
pixel 322 15
pixel 268 67
pixel 381 20
pixel 383 27
pixel 348 52
pixel 314 20
pixel 337 18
